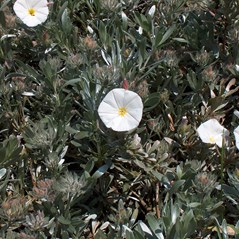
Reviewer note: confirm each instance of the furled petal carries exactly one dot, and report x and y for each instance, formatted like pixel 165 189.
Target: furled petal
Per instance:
pixel 120 124
pixel 133 100
pixel 108 118
pixel 134 105
pixel 132 122
pixel 24 3
pixel 136 114
pixel 41 15
pixel 107 108
pixel 236 134
pixel 37 3
pixel 219 140
pixel 110 100
pixel 119 96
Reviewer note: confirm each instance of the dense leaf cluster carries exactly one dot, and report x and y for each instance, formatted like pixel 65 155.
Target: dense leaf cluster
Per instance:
pixel 63 174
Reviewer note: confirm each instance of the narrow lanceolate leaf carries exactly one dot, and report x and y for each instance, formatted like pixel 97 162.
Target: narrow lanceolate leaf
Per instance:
pixel 2 172
pixel 154 226
pixel 100 171
pixel 167 35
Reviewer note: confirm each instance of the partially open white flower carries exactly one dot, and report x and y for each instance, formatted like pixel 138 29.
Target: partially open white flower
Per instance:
pixel 212 132
pixel 121 110
pixel 236 134
pixel 31 12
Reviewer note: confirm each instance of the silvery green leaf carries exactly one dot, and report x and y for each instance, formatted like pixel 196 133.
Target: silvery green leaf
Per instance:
pixel 25 93
pixel 2 172
pixel 145 228
pixel 152 11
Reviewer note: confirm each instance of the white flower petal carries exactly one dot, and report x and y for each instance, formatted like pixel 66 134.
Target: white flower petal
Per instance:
pixel 31 21
pixel 20 9
pixel 136 114
pixel 108 119
pixel 218 140
pixel 118 124
pixel 132 99
pixel 135 102
pixel 120 98
pixel 24 3
pixel 37 3
pixel 134 106
pixel 108 100
pixel 132 122
pixel 107 108
pixel 236 134
pixel 41 16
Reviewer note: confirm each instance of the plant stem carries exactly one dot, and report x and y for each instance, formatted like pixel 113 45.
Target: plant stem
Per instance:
pixel 222 163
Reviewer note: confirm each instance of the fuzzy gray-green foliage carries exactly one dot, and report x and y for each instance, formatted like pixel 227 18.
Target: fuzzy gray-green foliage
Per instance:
pixel 63 174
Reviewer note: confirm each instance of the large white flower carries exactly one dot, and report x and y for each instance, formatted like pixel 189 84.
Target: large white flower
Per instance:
pixel 121 110
pixel 31 12
pixel 236 134
pixel 212 132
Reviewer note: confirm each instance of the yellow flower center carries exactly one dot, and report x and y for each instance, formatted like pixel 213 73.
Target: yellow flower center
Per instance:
pixel 212 140
pixel 122 111
pixel 31 11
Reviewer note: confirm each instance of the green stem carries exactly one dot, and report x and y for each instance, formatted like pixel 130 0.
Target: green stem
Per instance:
pixel 222 163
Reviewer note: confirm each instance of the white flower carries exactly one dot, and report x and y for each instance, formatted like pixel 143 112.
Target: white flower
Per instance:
pixel 212 132
pixel 121 110
pixel 31 12
pixel 236 134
